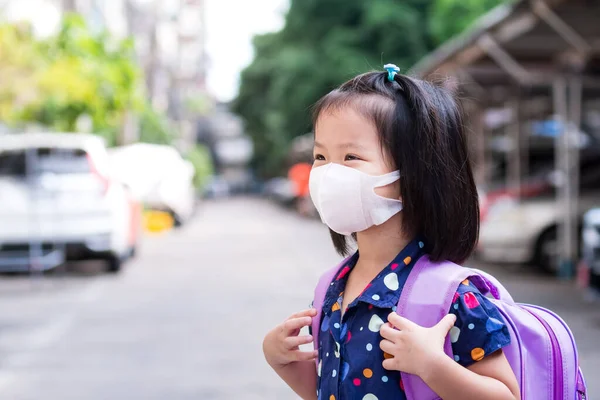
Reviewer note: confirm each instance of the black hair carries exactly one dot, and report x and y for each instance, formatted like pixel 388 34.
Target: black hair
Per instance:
pixel 421 129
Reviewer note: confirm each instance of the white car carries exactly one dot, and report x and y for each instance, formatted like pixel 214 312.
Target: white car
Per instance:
pixel 58 203
pixel 525 231
pixel 158 176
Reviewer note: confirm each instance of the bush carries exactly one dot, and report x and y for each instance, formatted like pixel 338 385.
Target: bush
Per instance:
pixel 200 158
pixel 154 127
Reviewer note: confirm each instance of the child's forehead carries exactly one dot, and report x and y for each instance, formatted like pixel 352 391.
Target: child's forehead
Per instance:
pixel 367 105
pixel 345 125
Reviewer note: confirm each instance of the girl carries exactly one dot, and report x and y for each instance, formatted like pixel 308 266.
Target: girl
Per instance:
pixel 391 171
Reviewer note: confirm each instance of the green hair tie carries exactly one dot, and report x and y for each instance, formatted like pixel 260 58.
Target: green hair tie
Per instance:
pixel 392 70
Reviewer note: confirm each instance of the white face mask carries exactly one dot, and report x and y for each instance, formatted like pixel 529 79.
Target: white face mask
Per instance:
pixel 346 200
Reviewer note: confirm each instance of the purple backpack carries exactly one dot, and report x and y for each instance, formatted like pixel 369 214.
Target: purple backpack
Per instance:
pixel 542 352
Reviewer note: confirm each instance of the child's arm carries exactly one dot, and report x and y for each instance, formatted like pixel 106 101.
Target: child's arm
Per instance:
pixel 301 376
pixel 281 347
pixel 491 379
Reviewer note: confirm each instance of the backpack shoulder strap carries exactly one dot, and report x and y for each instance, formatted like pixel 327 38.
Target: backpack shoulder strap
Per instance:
pixel 427 297
pixel 319 298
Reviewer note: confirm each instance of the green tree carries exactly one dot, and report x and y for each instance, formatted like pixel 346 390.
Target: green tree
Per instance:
pixel 200 158
pixel 451 17
pixel 20 64
pixel 71 74
pixel 154 126
pixel 323 43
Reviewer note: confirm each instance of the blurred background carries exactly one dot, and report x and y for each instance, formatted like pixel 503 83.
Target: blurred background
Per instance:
pixel 154 159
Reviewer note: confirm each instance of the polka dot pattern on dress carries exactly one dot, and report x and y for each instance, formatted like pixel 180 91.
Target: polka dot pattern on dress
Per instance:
pixel 354 368
pixel 454 334
pixel 477 354
pixel 391 281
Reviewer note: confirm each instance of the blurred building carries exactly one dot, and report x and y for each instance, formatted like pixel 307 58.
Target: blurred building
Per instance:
pixel 222 132
pixel 169 42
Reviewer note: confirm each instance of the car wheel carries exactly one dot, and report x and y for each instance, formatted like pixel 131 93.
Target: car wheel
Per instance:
pixel 115 264
pixel 546 252
pixel 177 221
pixel 132 253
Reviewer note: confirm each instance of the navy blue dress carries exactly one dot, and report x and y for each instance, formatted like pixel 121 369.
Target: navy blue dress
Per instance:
pixel 350 360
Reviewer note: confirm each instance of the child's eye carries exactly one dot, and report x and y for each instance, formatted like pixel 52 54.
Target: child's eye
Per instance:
pixel 319 157
pixel 351 157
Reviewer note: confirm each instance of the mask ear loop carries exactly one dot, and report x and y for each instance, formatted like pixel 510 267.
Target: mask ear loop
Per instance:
pixel 387 178
pixel 384 180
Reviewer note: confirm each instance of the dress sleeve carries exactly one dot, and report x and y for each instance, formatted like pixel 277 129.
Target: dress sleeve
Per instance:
pixel 479 330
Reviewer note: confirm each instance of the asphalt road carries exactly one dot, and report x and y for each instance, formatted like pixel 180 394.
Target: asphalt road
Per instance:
pixel 185 320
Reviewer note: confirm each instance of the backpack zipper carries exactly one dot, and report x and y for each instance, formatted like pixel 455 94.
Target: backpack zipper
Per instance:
pixel 580 382
pixel 556 359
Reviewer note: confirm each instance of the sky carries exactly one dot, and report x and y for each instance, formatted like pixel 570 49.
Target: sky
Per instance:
pixel 230 28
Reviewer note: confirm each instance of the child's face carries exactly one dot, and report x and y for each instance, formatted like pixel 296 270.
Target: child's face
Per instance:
pixel 347 138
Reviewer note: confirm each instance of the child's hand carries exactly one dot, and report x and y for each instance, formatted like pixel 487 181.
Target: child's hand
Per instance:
pixel 281 345
pixel 413 347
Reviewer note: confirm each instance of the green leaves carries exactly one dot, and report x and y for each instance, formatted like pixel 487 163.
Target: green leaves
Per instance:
pixel 451 17
pixel 73 73
pixel 326 42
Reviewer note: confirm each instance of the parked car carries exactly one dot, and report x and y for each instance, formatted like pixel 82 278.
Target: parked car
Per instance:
pixel 590 248
pixel 58 203
pixel 281 190
pixel 157 175
pixel 216 188
pixel 525 230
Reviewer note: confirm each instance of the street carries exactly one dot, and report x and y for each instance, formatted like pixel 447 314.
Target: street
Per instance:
pixel 186 318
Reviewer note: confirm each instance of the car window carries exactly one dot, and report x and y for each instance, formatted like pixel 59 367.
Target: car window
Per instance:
pixel 12 164
pixel 44 160
pixel 62 161
pixel 590 179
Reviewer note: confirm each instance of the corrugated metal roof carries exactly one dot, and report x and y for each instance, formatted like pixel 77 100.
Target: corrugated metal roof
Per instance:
pixel 483 25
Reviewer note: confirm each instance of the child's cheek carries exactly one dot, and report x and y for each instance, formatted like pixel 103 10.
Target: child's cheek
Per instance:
pixel 391 191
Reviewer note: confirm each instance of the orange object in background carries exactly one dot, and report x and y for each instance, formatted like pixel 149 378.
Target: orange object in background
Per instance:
pixel 299 174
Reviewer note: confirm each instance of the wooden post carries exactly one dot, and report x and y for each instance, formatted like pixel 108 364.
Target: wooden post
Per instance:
pixel 515 155
pixel 572 161
pixel 567 98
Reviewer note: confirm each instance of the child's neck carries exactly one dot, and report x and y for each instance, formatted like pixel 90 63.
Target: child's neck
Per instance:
pixel 379 245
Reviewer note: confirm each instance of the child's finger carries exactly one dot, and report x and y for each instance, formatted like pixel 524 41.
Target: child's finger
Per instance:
pixel 294 341
pixel 389 333
pixel 294 324
pixel 387 346
pixel 401 323
pixel 309 312
pixel 389 364
pixel 299 355
pixel 446 324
